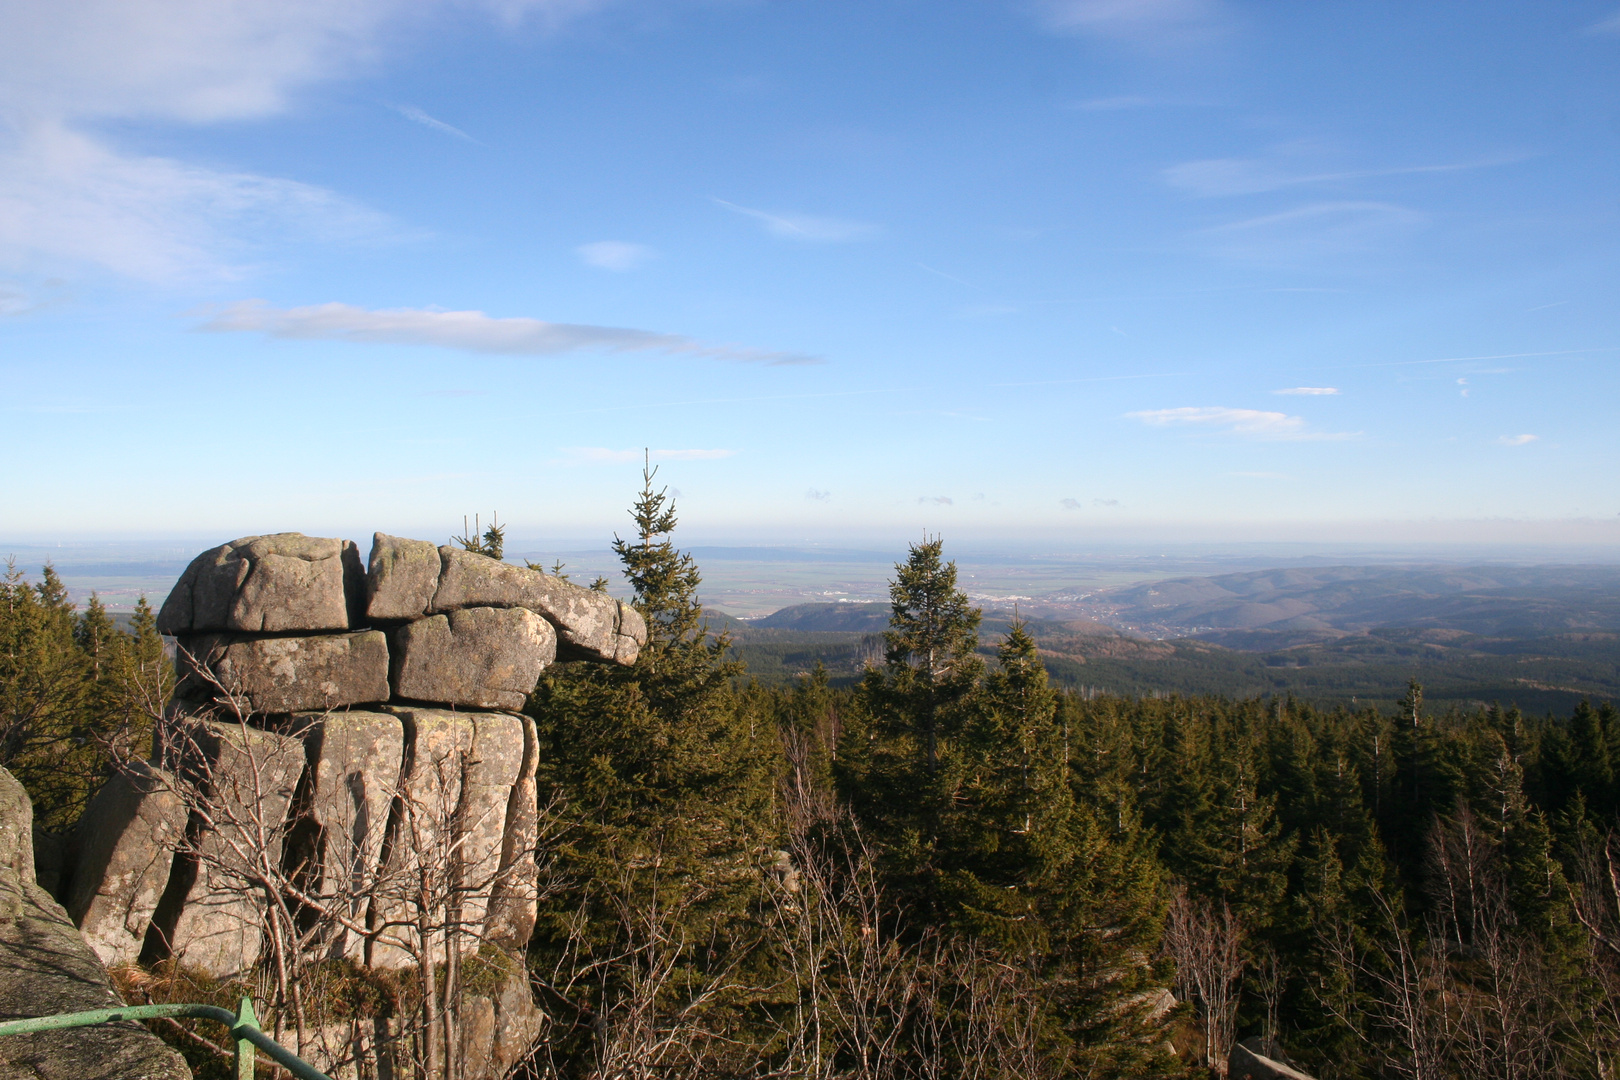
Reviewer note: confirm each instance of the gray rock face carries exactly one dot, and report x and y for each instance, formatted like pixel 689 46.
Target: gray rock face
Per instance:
pixel 354 768
pixel 287 674
pixel 16 827
pixel 494 764
pixel 268 584
pixel 401 577
pixel 499 1027
pixel 489 658
pixel 125 850
pixel 1246 1064
pixel 589 624
pixel 513 904
pixel 48 969
pixel 452 817
pixel 209 914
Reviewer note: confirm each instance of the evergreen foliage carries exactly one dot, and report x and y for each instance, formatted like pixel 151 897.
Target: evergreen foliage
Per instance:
pixel 77 695
pixel 953 868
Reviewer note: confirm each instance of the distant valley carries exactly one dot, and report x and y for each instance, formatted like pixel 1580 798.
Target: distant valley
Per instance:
pixel 1539 637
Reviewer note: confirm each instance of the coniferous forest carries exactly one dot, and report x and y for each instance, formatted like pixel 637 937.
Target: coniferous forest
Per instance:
pixel 952 869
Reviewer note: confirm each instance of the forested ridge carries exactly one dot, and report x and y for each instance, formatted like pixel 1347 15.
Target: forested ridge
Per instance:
pixel 954 868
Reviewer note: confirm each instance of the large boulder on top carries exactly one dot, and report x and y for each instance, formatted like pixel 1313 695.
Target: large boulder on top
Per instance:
pixel 401 577
pixel 50 970
pixel 126 843
pixel 489 658
pixel 285 674
pixel 268 584
pixel 590 624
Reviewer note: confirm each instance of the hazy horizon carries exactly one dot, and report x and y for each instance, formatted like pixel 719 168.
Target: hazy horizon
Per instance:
pixel 1019 272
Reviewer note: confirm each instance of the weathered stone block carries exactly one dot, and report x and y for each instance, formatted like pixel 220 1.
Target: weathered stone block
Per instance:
pixel 16 827
pixel 354 773
pixel 49 970
pixel 401 577
pixel 489 658
pixel 268 584
pixel 590 624
pixel 239 781
pixel 1246 1064
pixel 450 821
pixel 288 674
pixel 126 843
pixel 513 905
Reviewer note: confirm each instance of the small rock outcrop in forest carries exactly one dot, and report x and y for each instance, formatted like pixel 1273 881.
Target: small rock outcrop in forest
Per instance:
pixel 342 752
pixel 48 970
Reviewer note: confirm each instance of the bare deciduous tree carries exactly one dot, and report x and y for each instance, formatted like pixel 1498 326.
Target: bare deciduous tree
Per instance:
pixel 1206 943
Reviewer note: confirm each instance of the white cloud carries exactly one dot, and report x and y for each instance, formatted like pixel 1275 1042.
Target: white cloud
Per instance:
pixel 1309 390
pixel 818 495
pixel 412 113
pixel 597 455
pixel 1071 504
pixel 1517 440
pixel 821 230
pixel 64 196
pixel 1106 504
pixel 468 331
pixel 935 500
pixel 615 255
pixel 202 60
pixel 1254 423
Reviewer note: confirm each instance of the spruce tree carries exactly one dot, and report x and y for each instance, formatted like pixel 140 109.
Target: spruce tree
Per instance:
pixel 664 782
pixel 916 702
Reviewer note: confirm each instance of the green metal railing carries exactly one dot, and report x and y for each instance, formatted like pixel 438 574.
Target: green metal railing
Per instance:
pixel 243 1023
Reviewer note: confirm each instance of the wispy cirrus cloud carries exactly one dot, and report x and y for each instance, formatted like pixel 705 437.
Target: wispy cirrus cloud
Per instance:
pixel 1116 103
pixel 1251 176
pixel 1309 391
pixel 467 331
pixel 1071 504
pixel 935 500
pixel 817 495
pixel 1142 23
pixel 415 115
pixel 1517 440
pixel 615 255
pixel 806 227
pixel 1610 25
pixel 1312 232
pixel 1250 423
pixel 68 195
pixel 599 455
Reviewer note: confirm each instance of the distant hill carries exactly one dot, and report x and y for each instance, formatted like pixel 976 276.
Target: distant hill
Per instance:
pixel 1539 672
pixel 1322 603
pixel 846 618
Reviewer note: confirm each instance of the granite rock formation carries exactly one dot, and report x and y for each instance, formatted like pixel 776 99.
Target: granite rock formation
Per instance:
pixel 49 969
pixel 344 733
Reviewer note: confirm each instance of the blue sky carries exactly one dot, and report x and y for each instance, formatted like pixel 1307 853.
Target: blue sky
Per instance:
pixel 1010 270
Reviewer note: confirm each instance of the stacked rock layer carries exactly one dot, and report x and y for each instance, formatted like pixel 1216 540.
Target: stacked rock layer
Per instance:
pixel 344 728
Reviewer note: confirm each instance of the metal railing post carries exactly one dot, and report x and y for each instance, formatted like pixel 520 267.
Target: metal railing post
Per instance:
pixel 245 1018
